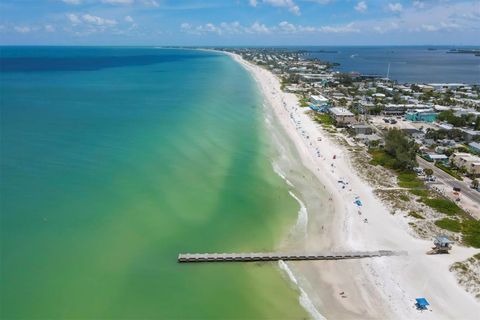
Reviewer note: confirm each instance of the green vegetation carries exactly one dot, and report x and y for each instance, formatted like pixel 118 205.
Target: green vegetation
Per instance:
pixel 469 228
pixel 461 121
pixel 471 232
pixel 344 79
pixel 409 180
pixel 448 170
pixel 416 215
pixel 399 155
pixel 420 192
pixel 304 102
pixel 449 224
pixel 324 119
pixel 401 148
pixel 428 172
pixel 475 184
pixel 380 157
pixel 443 205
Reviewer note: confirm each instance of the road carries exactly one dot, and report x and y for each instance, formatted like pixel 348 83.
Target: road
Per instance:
pixel 451 181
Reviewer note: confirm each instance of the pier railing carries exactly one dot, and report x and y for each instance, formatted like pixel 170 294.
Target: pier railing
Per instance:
pixel 271 256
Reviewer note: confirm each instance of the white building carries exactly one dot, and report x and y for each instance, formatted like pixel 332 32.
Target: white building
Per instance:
pixel 342 116
pixel 318 100
pixel 467 161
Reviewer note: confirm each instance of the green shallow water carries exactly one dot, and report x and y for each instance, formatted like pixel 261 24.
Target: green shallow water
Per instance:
pixel 114 160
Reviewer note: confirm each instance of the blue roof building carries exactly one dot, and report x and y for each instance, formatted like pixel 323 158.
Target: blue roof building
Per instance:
pixel 421 116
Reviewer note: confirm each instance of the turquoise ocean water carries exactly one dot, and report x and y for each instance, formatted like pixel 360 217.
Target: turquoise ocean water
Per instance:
pixel 114 160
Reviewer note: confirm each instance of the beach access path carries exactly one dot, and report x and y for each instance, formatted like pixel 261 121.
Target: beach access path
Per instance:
pixel 383 288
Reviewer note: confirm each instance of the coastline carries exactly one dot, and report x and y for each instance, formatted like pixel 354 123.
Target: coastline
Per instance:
pixel 377 288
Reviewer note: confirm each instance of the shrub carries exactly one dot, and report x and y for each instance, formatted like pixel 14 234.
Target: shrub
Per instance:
pixel 409 180
pixel 443 205
pixel 380 157
pixel 416 215
pixel 324 119
pixel 448 170
pixel 449 224
pixel 471 233
pixel 420 192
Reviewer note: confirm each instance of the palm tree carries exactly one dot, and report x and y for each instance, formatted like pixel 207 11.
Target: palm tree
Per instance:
pixel 475 184
pixel 428 172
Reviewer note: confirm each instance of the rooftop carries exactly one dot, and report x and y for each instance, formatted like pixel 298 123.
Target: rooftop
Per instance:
pixel 341 112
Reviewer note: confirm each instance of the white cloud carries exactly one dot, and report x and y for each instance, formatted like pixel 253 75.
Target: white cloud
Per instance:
pixel 73 2
pixel 258 28
pixel 117 1
pixel 346 28
pixel 49 28
pixel 361 6
pixel 232 27
pixel 151 3
pixel 253 3
pixel 287 27
pixel 419 4
pixel 290 4
pixel 74 19
pixel 200 29
pixel 429 27
pixel 386 27
pixel 321 1
pixel 128 19
pixel 283 27
pixel 436 17
pixel 395 7
pixel 22 29
pixel 98 21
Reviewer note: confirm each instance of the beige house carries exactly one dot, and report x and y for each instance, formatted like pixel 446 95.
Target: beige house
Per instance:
pixel 342 116
pixel 467 161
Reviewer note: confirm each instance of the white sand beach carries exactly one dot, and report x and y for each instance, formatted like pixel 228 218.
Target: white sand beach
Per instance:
pixel 378 288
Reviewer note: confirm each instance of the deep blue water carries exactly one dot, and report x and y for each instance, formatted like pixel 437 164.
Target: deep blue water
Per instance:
pixel 407 64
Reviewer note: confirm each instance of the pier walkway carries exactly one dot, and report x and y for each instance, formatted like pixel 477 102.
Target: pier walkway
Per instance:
pixel 271 256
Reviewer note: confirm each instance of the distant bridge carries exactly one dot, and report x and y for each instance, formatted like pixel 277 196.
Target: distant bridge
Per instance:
pixel 270 256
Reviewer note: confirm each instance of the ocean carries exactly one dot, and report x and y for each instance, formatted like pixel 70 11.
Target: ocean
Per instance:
pixel 113 161
pixel 408 64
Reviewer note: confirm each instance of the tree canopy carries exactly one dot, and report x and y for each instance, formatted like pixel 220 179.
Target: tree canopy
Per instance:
pixel 403 149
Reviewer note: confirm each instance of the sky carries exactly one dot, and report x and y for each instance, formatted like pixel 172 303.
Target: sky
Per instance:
pixel 240 22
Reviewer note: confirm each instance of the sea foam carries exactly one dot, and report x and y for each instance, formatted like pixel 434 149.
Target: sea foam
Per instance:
pixel 302 219
pixel 304 299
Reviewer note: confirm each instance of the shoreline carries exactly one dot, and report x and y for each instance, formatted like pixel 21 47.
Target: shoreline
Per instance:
pixel 377 288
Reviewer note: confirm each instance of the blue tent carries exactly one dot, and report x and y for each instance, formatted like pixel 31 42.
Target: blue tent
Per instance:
pixel 422 303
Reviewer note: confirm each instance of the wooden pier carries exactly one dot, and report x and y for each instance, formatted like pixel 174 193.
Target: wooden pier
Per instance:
pixel 271 256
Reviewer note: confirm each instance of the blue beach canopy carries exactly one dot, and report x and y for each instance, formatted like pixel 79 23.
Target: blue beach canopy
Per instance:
pixel 422 303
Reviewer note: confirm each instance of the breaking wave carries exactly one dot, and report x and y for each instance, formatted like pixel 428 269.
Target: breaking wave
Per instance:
pixel 304 299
